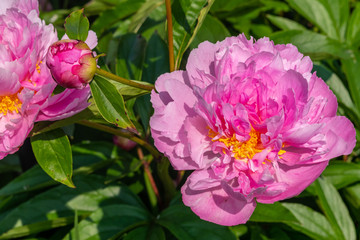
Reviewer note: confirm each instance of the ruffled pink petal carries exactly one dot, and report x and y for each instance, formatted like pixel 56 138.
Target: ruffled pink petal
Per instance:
pixel 296 178
pixel 65 104
pixel 214 204
pixel 340 136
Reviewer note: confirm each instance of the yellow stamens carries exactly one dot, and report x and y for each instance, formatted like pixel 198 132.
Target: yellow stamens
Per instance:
pixel 38 67
pixel 241 150
pixel 10 104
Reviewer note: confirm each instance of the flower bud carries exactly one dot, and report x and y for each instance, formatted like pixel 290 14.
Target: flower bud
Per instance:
pixel 124 143
pixel 71 63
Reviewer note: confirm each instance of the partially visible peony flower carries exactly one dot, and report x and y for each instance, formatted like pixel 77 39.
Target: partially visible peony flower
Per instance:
pixel 71 63
pixel 253 123
pixel 26 82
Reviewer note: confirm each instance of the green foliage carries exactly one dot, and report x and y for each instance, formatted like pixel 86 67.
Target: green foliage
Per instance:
pixel 53 152
pixel 114 197
pixel 77 25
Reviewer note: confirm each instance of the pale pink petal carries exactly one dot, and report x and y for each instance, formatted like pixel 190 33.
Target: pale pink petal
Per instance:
pixel 214 204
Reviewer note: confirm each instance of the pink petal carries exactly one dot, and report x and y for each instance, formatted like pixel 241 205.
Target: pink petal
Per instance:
pixel 214 204
pixel 297 178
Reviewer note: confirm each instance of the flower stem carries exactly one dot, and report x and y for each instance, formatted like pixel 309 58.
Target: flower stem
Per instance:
pixel 127 135
pixel 168 184
pixel 170 35
pixel 114 77
pixel 147 170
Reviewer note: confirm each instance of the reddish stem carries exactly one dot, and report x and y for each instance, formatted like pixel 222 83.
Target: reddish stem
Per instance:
pixel 170 35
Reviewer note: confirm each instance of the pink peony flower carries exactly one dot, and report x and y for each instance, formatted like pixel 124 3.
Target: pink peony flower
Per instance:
pixel 26 82
pixel 253 123
pixel 71 63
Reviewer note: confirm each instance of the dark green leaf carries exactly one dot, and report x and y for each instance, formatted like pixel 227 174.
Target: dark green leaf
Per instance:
pixel 211 30
pixel 156 63
pixel 335 210
pixel 89 195
pixel 315 45
pixel 352 196
pixel 351 69
pixel 36 228
pixel 275 212
pixel 149 232
pixel 77 25
pixel 330 17
pixel 285 23
pixel 142 13
pixel 109 102
pixel 310 222
pixel 342 174
pixel 185 225
pixel 109 220
pixel 110 17
pixel 33 178
pixel 353 31
pixel 130 53
pixel 187 20
pixel 53 153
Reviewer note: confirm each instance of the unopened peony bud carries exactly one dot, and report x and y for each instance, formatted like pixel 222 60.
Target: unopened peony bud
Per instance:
pixel 124 143
pixel 71 63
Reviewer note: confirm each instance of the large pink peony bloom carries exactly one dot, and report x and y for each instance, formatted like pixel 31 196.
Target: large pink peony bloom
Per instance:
pixel 26 83
pixel 252 121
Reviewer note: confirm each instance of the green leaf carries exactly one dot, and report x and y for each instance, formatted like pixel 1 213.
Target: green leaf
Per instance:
pixel 275 212
pixel 285 23
pixel 211 30
pixel 62 201
pixel 310 222
pixel 342 174
pixel 53 153
pixel 143 13
pixel 148 232
pixel 110 17
pixel 36 228
pixel 32 179
pixel 353 31
pixel 77 25
pixel 156 63
pixel 329 16
pixel 335 84
pixel 107 221
pixel 315 45
pixel 335 210
pixel 351 68
pixel 125 55
pixel 109 102
pixel 352 196
pixel 185 225
pixel 188 16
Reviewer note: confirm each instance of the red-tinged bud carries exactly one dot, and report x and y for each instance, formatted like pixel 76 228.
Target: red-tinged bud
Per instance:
pixel 71 63
pixel 124 143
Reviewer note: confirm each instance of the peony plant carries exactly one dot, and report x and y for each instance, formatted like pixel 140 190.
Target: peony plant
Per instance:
pixel 183 135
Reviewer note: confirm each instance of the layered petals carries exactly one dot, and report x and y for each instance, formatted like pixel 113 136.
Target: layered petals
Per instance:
pixel 252 121
pixel 26 93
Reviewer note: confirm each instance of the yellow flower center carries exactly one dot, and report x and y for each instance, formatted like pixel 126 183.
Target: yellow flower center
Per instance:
pixel 10 104
pixel 242 150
